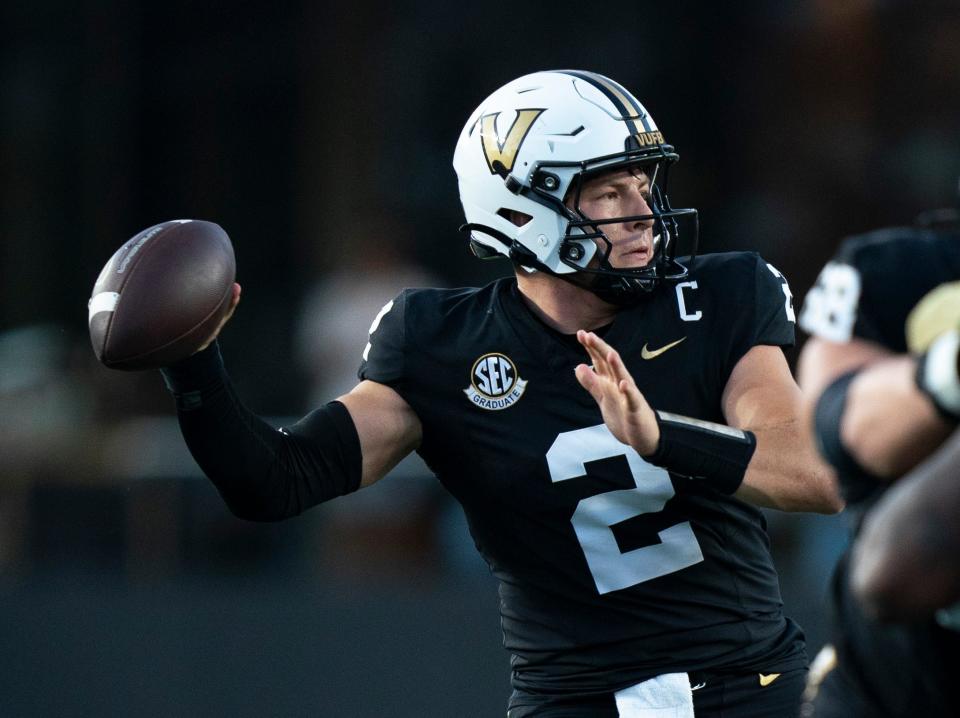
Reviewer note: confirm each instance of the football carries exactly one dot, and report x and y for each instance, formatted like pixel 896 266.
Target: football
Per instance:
pixel 161 295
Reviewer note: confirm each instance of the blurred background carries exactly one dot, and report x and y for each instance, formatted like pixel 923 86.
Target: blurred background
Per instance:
pixel 320 136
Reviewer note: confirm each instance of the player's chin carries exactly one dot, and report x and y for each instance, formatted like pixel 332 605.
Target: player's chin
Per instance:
pixel 633 260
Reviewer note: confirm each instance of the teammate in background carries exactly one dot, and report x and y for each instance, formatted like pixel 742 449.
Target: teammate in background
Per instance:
pixel 611 418
pixel 904 561
pixel 882 395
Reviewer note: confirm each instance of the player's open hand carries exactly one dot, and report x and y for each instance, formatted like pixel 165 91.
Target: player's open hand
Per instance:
pixel 625 410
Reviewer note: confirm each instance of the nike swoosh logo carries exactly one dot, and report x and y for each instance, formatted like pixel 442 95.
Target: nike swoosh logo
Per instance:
pixel 767 678
pixel 652 354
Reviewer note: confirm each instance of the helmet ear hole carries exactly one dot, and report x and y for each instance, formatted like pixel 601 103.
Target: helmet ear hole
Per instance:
pixel 514 216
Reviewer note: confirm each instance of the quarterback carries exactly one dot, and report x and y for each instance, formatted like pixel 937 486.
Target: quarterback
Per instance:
pixel 611 418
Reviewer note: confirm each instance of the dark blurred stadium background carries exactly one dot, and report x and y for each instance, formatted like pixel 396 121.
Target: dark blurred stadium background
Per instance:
pixel 320 137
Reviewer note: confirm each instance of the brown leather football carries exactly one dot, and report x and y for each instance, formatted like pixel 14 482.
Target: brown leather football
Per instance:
pixel 161 294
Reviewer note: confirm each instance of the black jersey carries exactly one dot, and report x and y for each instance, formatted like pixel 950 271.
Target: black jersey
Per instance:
pixel 610 569
pixel 869 287
pixel 867 291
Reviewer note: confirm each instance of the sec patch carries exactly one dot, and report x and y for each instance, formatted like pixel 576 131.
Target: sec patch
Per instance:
pixel 495 383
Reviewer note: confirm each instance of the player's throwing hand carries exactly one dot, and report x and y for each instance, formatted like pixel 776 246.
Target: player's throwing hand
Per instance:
pixel 625 410
pixel 234 301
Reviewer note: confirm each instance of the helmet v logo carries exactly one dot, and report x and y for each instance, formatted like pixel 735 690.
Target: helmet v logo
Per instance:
pixel 500 157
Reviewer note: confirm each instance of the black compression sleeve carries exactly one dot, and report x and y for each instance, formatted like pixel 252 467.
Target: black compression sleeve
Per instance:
pixel 262 474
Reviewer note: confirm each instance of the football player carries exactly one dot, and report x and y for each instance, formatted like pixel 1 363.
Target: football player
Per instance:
pixel 880 370
pixel 612 418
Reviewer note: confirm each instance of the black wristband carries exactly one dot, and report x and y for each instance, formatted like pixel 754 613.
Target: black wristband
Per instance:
pixel 714 453
pixel 856 483
pixel 190 378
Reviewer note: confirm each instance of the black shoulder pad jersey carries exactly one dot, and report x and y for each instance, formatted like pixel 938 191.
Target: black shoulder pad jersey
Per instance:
pixel 873 281
pixel 610 571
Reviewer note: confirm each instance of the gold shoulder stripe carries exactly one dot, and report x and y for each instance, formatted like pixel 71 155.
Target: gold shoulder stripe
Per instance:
pixel 936 313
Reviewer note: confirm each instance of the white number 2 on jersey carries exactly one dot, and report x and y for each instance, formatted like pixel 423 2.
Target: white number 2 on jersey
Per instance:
pixel 373 327
pixel 594 516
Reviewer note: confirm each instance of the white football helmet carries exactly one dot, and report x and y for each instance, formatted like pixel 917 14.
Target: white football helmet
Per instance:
pixel 527 149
